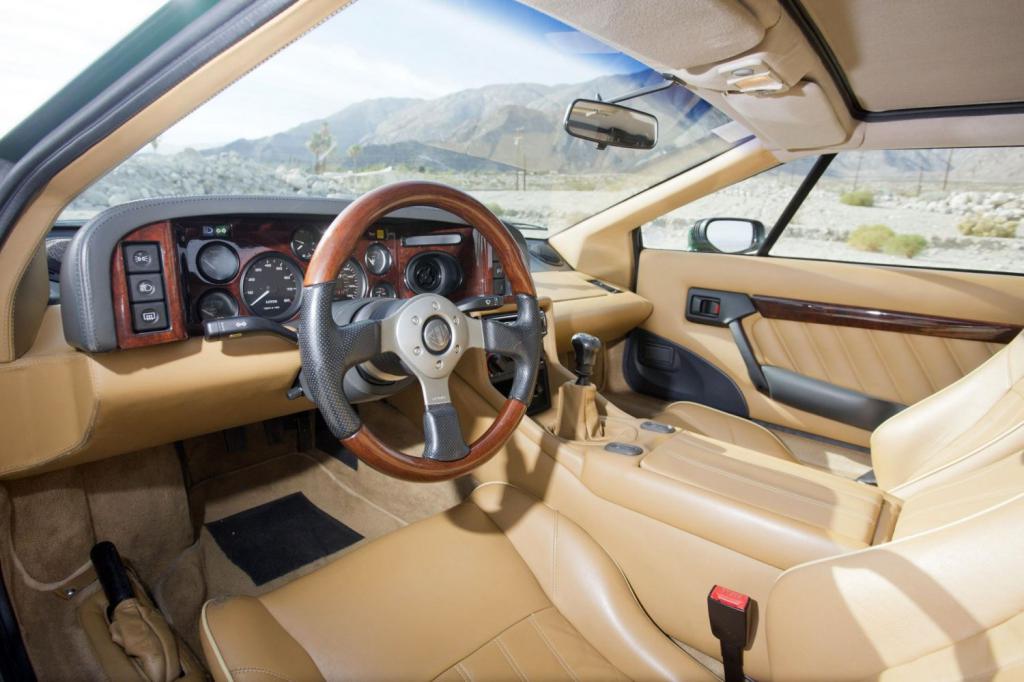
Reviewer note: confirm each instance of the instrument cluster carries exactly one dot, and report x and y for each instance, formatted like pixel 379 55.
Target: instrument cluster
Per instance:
pixel 255 266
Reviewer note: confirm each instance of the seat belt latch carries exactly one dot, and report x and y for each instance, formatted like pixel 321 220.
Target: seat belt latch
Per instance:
pixel 733 621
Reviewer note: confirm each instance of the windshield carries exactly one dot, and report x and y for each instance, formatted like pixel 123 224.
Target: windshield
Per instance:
pixel 45 46
pixel 468 93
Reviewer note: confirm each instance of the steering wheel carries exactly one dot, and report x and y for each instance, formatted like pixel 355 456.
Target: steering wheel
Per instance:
pixel 427 332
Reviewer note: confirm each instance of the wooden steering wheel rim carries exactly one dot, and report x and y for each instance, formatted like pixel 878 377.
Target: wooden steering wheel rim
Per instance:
pixel 334 249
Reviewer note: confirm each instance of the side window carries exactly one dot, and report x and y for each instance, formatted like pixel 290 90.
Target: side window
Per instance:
pixel 759 198
pixel 938 208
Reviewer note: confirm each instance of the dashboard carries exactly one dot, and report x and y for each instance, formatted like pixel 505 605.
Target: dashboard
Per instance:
pixel 171 276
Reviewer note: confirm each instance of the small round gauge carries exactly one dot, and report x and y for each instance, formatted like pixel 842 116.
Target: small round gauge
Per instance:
pixel 304 241
pixel 271 286
pixel 217 303
pixel 382 290
pixel 351 281
pixel 217 262
pixel 378 258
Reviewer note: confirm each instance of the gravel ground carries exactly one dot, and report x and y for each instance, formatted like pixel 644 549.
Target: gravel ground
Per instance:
pixel 819 230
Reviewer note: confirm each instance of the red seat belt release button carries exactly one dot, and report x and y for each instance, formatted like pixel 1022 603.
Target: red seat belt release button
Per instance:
pixel 733 623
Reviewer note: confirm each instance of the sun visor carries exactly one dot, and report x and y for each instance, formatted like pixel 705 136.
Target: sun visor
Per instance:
pixel 800 118
pixel 669 34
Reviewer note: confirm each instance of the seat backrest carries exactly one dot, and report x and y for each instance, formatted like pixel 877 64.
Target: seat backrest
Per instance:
pixel 942 603
pixel 965 426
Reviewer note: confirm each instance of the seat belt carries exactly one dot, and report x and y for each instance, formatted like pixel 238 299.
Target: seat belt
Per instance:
pixel 733 621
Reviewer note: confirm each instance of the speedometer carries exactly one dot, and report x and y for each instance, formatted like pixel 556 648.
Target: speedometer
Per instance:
pixel 351 281
pixel 271 286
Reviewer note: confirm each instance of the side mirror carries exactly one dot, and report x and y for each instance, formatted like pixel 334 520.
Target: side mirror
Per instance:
pixel 611 125
pixel 726 235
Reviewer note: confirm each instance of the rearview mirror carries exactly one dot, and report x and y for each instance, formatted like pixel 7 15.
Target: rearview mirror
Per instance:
pixel 611 125
pixel 726 235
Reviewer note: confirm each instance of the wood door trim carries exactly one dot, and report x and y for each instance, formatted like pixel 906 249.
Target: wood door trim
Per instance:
pixel 883 320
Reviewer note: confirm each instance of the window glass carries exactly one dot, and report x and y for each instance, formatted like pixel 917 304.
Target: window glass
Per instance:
pixel 46 43
pixel 941 208
pixel 471 93
pixel 761 197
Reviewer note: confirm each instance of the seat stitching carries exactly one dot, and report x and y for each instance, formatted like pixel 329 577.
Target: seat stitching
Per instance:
pixel 816 351
pixel 551 647
pixel 508 656
pixel 554 558
pixel 849 360
pixel 956 360
pixel 933 384
pixel 893 382
pixel 463 672
pixel 264 671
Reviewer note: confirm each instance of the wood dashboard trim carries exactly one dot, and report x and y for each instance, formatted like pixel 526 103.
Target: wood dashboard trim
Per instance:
pixel 883 320
pixel 127 337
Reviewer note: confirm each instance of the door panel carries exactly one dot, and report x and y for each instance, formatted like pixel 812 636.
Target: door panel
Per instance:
pixel 884 363
pixel 902 368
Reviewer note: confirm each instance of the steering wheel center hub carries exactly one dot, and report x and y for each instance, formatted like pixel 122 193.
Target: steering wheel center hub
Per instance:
pixel 437 335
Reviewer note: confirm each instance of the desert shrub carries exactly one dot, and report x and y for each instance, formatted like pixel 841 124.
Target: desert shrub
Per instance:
pixel 870 237
pixel 858 197
pixel 495 208
pixel 987 226
pixel 906 245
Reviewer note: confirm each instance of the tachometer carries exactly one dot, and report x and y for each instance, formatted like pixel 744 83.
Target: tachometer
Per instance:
pixel 351 281
pixel 271 286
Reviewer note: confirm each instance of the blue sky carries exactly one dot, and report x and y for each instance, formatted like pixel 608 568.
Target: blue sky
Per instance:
pixel 398 48
pixel 373 48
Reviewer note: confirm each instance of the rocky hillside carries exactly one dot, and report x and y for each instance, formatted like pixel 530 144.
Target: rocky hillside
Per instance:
pixel 480 129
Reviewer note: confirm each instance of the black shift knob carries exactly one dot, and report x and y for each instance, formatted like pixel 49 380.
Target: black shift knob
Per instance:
pixel 585 347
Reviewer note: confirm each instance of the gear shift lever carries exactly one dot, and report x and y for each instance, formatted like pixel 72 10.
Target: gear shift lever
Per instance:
pixel 585 347
pixel 577 416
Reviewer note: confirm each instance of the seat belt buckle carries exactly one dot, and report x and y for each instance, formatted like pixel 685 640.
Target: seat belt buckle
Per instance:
pixel 733 617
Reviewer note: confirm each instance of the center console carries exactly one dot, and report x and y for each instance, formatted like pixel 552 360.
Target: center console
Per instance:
pixel 775 511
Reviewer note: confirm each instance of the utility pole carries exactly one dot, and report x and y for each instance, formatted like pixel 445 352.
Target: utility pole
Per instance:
pixel 949 165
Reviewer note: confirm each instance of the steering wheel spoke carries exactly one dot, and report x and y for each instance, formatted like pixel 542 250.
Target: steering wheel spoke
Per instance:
pixel 442 434
pixel 519 341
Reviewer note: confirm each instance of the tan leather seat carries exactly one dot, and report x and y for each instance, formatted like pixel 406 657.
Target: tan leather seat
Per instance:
pixel 723 426
pixel 500 587
pixel 971 423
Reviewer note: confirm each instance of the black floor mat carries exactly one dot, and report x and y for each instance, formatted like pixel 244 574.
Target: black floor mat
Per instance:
pixel 277 537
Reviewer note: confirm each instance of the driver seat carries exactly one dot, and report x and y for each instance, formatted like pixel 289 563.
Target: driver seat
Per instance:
pixel 499 587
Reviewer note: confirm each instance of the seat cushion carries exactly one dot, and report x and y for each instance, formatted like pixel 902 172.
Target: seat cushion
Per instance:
pixel 501 586
pixel 723 426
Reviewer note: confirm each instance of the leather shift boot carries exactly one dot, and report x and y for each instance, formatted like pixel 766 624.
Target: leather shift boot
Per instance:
pixel 145 636
pixel 576 417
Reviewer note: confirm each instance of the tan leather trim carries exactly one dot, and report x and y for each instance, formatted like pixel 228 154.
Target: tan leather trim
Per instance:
pixel 665 277
pixel 579 306
pixel 585 585
pixel 723 426
pixel 211 651
pixel 888 606
pixel 251 644
pixel 600 245
pixel 774 511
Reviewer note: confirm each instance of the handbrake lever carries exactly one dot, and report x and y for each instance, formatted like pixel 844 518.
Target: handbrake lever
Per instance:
pixel 231 327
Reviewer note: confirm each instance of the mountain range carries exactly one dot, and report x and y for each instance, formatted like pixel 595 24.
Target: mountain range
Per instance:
pixel 492 128
pixel 519 125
